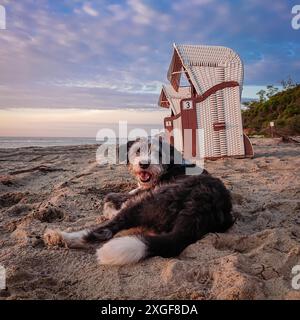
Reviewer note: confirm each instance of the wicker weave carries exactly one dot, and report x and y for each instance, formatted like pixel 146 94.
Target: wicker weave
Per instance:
pixel 206 67
pixel 175 97
pixel 205 63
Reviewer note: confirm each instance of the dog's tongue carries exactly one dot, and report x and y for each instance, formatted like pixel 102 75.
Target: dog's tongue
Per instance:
pixel 144 175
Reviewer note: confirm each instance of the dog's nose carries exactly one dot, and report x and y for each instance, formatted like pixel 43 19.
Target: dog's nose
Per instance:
pixel 144 164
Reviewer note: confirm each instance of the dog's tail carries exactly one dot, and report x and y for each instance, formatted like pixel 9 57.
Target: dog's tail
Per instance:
pixel 131 249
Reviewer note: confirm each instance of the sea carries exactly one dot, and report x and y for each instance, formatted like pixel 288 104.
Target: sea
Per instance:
pixel 19 142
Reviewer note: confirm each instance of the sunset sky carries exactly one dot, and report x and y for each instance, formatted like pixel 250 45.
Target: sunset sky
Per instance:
pixel 69 68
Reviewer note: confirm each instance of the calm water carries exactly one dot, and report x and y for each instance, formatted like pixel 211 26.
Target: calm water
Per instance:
pixel 18 142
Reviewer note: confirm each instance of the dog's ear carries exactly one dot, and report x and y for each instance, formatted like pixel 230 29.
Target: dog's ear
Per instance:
pixel 123 151
pixel 130 144
pixel 172 154
pixel 175 157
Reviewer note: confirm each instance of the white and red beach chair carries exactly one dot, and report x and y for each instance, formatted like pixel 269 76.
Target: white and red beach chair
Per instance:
pixel 211 101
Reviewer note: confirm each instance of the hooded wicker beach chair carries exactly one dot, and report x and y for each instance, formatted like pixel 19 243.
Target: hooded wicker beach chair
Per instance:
pixel 211 101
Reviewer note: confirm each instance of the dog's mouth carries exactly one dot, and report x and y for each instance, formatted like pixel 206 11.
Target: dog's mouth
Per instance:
pixel 144 176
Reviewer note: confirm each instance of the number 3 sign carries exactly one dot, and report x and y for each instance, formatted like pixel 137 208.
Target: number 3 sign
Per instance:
pixel 187 105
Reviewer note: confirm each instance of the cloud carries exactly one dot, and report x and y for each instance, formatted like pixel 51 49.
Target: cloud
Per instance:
pixel 185 5
pixel 119 12
pixel 75 96
pixel 87 8
pixel 105 54
pixel 142 13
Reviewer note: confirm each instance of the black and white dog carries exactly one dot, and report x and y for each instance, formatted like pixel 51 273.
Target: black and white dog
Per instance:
pixel 178 208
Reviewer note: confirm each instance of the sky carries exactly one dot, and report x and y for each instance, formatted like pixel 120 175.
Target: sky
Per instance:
pixel 68 68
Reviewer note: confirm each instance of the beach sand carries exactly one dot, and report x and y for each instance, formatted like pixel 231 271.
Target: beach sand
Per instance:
pixel 63 187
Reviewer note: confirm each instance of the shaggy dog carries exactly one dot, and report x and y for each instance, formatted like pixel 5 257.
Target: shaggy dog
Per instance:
pixel 179 208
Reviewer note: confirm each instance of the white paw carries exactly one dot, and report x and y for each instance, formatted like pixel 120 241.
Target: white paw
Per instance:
pixel 53 237
pixel 69 239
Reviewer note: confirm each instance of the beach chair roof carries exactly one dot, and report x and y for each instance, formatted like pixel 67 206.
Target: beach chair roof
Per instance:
pixel 169 97
pixel 204 66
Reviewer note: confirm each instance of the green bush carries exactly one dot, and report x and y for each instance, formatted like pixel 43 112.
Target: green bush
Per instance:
pixel 282 107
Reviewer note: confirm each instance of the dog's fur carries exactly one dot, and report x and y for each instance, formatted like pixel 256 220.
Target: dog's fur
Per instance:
pixel 179 208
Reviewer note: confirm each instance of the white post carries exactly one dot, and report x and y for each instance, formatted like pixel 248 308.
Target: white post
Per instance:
pixel 272 125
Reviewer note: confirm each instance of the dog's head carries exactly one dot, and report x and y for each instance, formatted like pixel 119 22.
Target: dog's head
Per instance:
pixel 150 161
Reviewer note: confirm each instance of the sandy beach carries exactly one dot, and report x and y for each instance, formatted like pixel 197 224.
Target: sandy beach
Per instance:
pixel 64 187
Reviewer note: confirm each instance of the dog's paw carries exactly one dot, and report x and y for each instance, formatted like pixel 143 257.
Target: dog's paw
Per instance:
pixel 109 210
pixel 114 198
pixel 53 238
